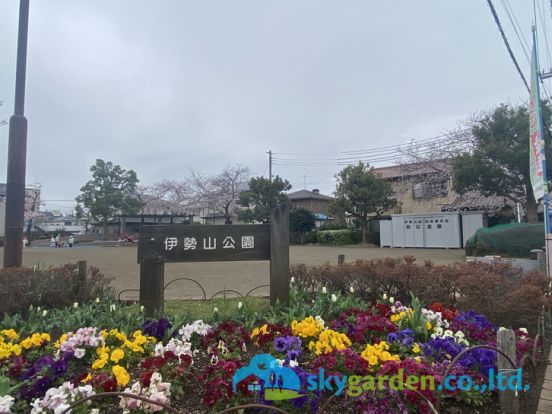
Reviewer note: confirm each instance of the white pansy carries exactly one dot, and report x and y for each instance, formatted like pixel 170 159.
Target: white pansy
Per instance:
pixel 6 401
pixel 293 363
pixel 524 330
pixel 320 321
pixel 79 353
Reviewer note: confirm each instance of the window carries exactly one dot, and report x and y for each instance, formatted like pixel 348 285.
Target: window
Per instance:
pixel 428 189
pixel 439 226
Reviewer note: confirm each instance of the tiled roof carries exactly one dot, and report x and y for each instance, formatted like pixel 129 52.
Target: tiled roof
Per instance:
pixel 409 170
pixel 474 201
pixel 305 194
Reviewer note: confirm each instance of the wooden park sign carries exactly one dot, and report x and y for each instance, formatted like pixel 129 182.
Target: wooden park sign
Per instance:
pixel 208 243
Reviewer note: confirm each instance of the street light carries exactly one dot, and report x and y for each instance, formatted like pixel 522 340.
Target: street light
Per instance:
pixel 17 153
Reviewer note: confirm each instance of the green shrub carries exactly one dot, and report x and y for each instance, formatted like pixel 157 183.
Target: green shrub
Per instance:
pixel 337 237
pixel 334 225
pixel 53 287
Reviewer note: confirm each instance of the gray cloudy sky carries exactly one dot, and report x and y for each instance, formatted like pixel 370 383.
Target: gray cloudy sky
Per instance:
pixel 166 86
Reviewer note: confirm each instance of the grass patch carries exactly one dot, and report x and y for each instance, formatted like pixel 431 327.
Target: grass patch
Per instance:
pixel 204 309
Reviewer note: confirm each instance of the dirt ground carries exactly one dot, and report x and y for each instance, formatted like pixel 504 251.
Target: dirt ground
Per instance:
pixel 120 263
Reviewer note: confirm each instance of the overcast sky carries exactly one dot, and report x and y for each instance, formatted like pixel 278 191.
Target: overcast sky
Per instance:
pixel 170 85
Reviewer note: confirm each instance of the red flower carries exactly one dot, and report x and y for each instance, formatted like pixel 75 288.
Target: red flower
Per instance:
pixel 146 378
pixel 230 368
pixel 186 360
pixel 98 380
pixel 330 362
pixel 169 356
pixel 110 385
pixel 350 364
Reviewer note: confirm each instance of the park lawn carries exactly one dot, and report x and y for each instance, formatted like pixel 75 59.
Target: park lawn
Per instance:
pixel 204 309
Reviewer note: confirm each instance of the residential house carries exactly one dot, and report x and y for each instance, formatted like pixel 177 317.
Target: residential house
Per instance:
pixel 316 203
pixel 428 188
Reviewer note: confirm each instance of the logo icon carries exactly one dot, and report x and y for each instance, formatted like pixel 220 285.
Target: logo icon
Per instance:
pixel 279 383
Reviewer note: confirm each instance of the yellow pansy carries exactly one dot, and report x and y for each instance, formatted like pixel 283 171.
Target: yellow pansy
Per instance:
pixel 416 348
pixel 121 375
pixel 117 355
pixel 428 325
pixel 10 334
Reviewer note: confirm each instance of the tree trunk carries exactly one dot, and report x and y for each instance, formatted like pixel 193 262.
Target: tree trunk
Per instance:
pixel 531 207
pixel 365 230
pixel 29 232
pixel 105 229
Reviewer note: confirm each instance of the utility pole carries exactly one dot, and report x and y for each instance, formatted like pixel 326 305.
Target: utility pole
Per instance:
pixel 270 164
pixel 17 152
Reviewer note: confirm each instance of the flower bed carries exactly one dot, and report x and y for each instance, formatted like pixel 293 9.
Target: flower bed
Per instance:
pixel 199 367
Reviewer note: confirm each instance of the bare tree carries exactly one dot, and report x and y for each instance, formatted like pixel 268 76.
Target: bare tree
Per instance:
pixel 3 121
pixel 172 195
pixel 32 207
pixel 426 165
pixel 220 193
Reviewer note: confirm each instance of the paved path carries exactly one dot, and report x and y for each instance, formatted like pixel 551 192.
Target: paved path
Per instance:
pixel 545 402
pixel 120 263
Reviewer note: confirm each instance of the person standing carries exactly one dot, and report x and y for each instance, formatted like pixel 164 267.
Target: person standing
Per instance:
pixel 71 241
pixel 52 241
pixel 57 241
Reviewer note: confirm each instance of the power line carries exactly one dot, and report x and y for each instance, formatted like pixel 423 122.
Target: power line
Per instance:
pixel 545 31
pixel 512 17
pixel 507 44
pixel 419 141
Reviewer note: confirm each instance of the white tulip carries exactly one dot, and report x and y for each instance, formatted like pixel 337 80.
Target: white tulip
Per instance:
pixel 324 290
pixel 391 299
pixel 524 330
pixel 215 310
pixel 292 280
pixel 142 308
pixel 44 313
pixel 76 305
pixel 240 305
pixel 97 300
pixel 352 289
pixel 334 298
pixel 384 296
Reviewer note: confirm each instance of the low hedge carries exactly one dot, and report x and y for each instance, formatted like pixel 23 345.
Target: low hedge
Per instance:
pixel 52 287
pixel 500 291
pixel 338 237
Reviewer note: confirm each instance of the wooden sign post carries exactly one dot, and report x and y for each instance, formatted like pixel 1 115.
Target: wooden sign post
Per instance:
pixel 205 243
